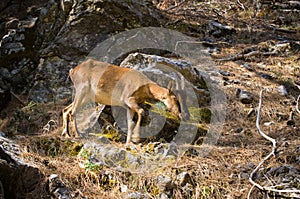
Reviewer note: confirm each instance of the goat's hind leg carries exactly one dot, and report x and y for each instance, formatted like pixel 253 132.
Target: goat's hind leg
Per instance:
pixel 81 99
pixel 66 116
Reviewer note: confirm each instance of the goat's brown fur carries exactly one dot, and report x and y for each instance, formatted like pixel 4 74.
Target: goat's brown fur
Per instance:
pixel 108 84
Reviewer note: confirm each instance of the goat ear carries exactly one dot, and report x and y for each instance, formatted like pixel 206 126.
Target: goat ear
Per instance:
pixel 171 85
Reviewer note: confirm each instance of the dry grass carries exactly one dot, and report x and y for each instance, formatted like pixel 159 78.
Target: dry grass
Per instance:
pixel 221 174
pixel 224 172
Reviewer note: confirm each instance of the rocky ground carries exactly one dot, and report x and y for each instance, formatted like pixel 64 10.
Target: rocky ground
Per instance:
pixel 251 46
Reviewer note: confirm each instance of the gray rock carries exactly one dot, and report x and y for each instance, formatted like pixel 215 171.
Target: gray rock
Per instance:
pixel 244 175
pixel 188 189
pixel 51 81
pixel 4 73
pixel 13 48
pixel 168 150
pixel 66 29
pixel 75 36
pixel 148 159
pixel 19 179
pixel 224 73
pixel 17 52
pixel 136 195
pixel 165 183
pixel 163 196
pixel 111 156
pixel 162 70
pixel 245 65
pixel 57 188
pixel 266 76
pixel 219 30
pixel 2 134
pixel 12 42
pixel 184 178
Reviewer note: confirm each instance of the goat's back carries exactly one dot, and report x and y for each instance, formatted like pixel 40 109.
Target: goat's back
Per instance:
pixel 109 84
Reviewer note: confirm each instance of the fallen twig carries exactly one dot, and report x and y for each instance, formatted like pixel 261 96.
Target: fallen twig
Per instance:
pixel 243 56
pixel 15 96
pixel 241 5
pixel 297 105
pixel 47 127
pixel 265 158
pixel 272 49
pixel 177 5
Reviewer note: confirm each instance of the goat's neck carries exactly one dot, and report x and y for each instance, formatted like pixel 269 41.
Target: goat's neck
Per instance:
pixel 157 91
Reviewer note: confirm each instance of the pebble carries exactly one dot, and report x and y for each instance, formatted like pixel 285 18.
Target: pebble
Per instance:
pixel 244 96
pixel 247 67
pixel 2 134
pixel 266 76
pixel 224 73
pixel 282 90
pixel 124 188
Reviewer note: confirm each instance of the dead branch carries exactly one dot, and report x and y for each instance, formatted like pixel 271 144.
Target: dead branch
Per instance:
pixel 297 105
pixel 273 49
pixel 250 54
pixel 265 158
pixel 49 125
pixel 241 5
pixel 17 98
pixel 177 5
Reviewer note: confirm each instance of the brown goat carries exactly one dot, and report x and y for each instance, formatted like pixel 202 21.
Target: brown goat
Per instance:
pixel 108 84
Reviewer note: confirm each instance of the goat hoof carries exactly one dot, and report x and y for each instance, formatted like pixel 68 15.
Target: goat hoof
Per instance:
pixel 137 140
pixel 65 133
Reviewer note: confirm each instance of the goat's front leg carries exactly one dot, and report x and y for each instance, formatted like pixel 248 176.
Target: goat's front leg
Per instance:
pixel 130 124
pixel 136 131
pixel 135 108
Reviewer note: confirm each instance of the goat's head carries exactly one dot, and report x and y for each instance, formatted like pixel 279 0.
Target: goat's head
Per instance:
pixel 172 104
pixel 179 91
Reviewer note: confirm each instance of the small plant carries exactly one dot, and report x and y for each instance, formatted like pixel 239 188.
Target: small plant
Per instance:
pixel 207 192
pixel 91 166
pixel 160 108
pixel 84 154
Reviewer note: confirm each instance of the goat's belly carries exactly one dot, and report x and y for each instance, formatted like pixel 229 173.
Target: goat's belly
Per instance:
pixel 108 99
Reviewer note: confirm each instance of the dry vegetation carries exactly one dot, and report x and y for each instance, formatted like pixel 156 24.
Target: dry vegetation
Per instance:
pixel 225 171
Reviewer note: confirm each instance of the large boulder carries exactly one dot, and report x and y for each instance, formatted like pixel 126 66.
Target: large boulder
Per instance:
pixel 59 32
pixel 91 22
pixel 19 179
pixel 163 70
pixel 70 37
pixel 101 153
pixel 18 43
